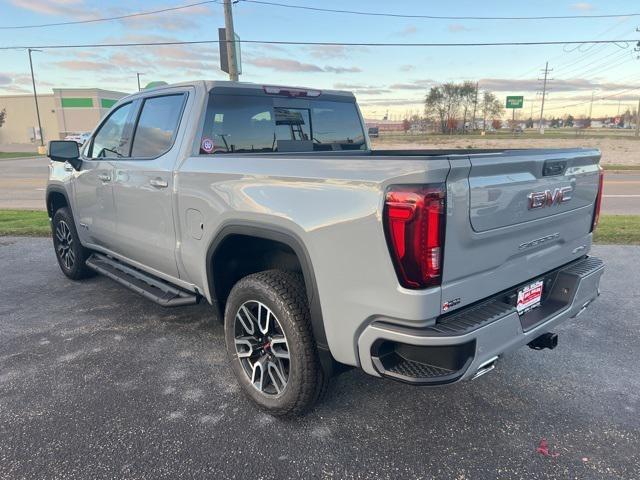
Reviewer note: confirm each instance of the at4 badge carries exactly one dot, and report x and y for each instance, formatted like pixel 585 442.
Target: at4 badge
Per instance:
pixel 451 303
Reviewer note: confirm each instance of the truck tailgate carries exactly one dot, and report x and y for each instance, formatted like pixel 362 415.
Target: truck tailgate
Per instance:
pixel 513 216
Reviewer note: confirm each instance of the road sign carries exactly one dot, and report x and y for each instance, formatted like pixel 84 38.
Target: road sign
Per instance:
pixel 224 60
pixel 515 102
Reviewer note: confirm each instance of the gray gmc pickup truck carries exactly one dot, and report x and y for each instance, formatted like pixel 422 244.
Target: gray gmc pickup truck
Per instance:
pixel 317 252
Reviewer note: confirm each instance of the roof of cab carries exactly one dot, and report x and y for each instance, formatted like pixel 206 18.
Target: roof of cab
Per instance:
pixel 250 85
pixel 209 84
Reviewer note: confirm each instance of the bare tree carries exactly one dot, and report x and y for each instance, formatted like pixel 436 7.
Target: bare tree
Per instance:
pixel 3 116
pixel 467 100
pixel 491 108
pixel 443 103
pixel 435 107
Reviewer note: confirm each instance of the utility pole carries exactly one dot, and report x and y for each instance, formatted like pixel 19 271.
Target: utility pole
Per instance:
pixel 544 94
pixel 35 97
pixel 591 105
pixel 138 77
pixel 231 41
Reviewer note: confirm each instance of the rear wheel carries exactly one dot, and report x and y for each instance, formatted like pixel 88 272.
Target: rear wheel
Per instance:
pixel 70 253
pixel 270 343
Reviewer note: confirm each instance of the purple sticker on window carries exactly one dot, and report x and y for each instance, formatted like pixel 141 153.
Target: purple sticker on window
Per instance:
pixel 207 145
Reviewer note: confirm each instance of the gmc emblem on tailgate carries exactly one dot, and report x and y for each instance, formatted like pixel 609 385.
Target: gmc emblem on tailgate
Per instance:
pixel 549 198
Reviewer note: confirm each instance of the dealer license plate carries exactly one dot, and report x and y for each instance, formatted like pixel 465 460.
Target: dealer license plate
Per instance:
pixel 529 297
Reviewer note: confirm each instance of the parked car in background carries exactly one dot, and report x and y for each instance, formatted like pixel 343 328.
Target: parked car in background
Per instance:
pixel 421 266
pixel 79 138
pixel 374 132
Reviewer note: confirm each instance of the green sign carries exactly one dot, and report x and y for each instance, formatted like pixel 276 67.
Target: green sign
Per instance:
pixel 107 102
pixel 77 102
pixel 515 102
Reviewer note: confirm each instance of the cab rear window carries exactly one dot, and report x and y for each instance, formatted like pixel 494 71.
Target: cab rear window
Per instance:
pixel 253 124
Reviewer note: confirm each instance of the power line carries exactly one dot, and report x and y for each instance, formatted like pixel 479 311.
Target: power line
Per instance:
pixel 439 17
pixel 559 107
pixel 588 53
pixel 107 19
pixel 345 44
pixel 598 62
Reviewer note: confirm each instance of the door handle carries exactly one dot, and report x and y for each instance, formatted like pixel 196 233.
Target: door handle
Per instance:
pixel 104 177
pixel 158 183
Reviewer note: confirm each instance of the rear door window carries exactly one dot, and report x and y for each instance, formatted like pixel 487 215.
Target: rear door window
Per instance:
pixel 157 125
pixel 238 124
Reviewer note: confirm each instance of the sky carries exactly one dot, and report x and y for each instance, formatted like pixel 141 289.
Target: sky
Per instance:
pixel 391 80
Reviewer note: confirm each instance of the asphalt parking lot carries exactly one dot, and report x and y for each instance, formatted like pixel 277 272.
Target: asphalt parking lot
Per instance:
pixel 23 183
pixel 96 382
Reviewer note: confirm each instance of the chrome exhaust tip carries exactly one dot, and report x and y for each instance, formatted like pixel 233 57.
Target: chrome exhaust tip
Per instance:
pixel 485 367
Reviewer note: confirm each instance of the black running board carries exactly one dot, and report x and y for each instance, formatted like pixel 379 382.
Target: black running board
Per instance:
pixel 152 288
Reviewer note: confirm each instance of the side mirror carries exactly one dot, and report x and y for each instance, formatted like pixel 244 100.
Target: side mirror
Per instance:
pixel 65 151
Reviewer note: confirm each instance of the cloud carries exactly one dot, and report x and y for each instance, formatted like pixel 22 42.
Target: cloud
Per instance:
pixel 160 22
pixel 15 83
pixel 350 86
pixel 283 64
pixel 62 8
pixel 407 68
pixel 289 65
pixel 84 65
pixel 415 85
pixel 457 28
pixel 390 102
pixel 582 6
pixel 328 51
pixel 407 31
pixel 570 85
pixel 339 70
pixel 370 91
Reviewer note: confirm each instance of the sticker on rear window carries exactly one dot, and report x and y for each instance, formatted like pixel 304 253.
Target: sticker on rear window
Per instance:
pixel 207 145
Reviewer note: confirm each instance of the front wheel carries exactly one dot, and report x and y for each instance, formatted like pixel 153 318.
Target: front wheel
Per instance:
pixel 270 343
pixel 70 253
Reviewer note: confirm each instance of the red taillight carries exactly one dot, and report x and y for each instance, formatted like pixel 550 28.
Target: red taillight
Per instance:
pixel 596 210
pixel 414 226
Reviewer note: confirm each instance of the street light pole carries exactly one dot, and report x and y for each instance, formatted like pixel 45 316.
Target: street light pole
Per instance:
pixel 35 96
pixel 138 77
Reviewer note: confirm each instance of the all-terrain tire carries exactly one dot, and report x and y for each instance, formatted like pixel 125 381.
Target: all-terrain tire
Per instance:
pixel 70 253
pixel 285 296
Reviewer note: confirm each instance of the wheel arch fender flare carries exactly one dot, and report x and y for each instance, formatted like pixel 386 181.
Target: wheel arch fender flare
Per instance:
pixel 293 241
pixel 57 189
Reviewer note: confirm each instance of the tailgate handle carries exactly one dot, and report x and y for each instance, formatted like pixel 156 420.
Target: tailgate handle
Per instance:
pixel 554 167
